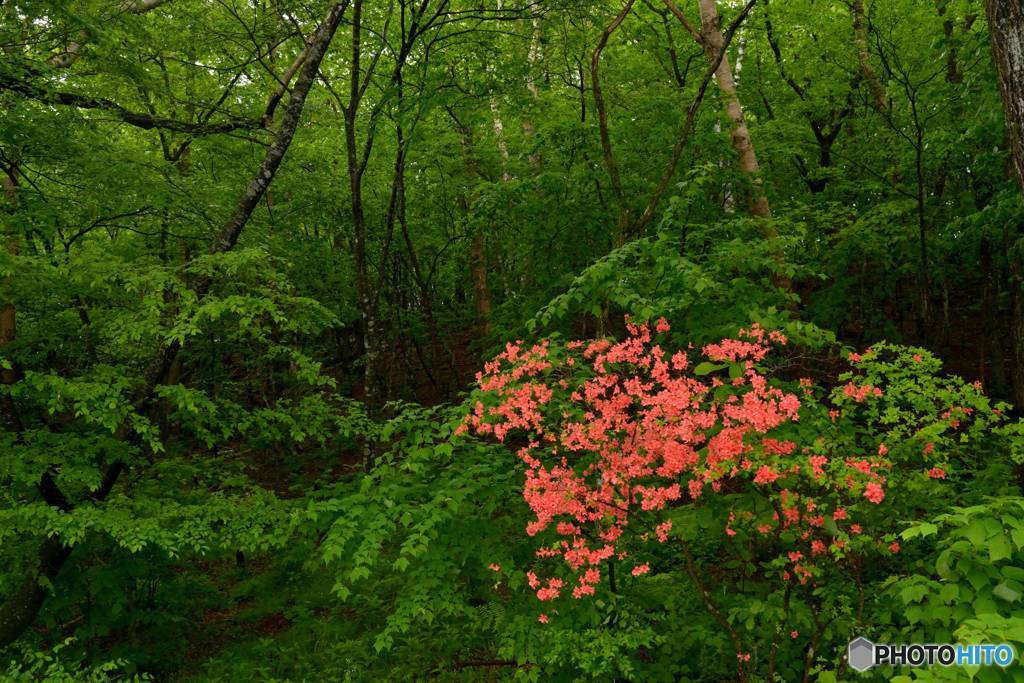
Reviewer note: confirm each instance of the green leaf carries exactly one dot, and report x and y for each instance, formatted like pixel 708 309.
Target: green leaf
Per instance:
pixel 706 368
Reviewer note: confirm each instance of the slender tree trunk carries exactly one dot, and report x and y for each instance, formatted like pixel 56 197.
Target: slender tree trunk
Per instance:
pixel 8 311
pixel 499 136
pixel 953 74
pixel 478 271
pixel 715 45
pixel 364 287
pixel 988 308
pixel 860 39
pixel 624 219
pixel 477 245
pixel 425 299
pixel 533 56
pixel 1006 23
pixel 825 139
pixel 711 30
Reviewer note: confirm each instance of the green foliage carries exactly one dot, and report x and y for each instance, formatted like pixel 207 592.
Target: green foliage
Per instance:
pixel 968 586
pixel 49 666
pixel 283 498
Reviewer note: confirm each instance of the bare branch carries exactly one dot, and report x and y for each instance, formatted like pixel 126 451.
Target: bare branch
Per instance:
pixel 602 114
pixel 682 20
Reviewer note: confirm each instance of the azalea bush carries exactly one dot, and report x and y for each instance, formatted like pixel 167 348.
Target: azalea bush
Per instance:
pixel 778 498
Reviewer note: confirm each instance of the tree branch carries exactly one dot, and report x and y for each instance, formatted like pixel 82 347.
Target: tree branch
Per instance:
pixel 682 20
pixel 132 118
pixel 712 608
pixel 602 116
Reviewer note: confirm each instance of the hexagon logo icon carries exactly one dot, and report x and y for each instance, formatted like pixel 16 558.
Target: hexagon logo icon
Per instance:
pixel 860 653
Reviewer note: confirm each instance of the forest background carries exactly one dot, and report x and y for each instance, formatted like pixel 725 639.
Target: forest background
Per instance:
pixel 257 251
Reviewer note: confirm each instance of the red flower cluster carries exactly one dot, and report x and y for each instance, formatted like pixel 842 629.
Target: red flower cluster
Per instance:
pixel 611 431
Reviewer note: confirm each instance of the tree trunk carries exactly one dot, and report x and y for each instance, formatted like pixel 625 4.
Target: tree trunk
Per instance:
pixel 20 610
pixel 533 56
pixel 1006 23
pixel 478 270
pixel 624 219
pixel 711 30
pixel 8 312
pixel 860 40
pixel 953 74
pixel 477 244
pixel 364 287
